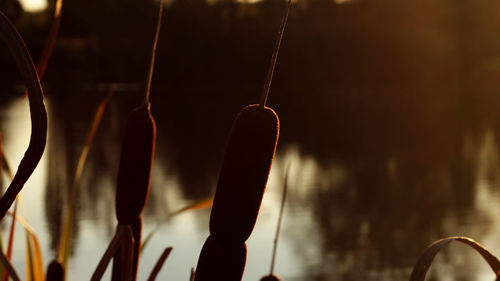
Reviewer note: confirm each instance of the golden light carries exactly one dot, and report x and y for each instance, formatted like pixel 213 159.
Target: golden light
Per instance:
pixel 34 5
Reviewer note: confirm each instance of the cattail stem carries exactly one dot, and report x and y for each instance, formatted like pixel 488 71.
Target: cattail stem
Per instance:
pixel 274 57
pixel 153 56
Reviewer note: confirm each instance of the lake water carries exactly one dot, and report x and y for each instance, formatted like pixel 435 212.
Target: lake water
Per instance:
pixel 366 217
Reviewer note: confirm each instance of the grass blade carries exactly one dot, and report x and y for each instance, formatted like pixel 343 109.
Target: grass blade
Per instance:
pixel 200 204
pixel 65 239
pixel 51 41
pixel 38 137
pixel 191 277
pixel 159 264
pixel 8 266
pixel 122 232
pixel 425 260
pixel 280 218
pixel 33 250
pixel 29 257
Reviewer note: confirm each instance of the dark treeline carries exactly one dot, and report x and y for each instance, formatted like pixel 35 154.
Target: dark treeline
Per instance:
pixel 380 64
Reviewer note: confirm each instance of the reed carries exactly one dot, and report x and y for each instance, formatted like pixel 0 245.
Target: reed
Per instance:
pixel 136 161
pixel 242 180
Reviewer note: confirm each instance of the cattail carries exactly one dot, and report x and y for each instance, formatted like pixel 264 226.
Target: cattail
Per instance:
pixel 134 177
pixel 242 181
pixel 243 176
pixel 55 272
pixel 220 261
pixel 270 278
pixel 136 161
pixel 134 174
pixel 137 235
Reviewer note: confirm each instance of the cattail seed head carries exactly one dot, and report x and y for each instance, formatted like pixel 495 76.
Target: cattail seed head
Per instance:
pixel 244 173
pixel 270 278
pixel 55 271
pixel 134 174
pixel 219 261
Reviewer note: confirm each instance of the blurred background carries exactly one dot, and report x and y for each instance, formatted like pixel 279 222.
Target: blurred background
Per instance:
pixel 389 120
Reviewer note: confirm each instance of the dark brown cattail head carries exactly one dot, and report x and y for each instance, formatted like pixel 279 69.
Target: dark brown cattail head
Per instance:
pixel 134 174
pixel 55 272
pixel 270 278
pixel 219 261
pixel 243 176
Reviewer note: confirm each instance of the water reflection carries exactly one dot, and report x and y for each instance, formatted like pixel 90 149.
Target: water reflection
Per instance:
pixel 353 212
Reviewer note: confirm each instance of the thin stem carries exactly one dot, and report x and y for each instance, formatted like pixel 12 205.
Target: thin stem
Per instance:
pixel 274 58
pixel 146 101
pixel 278 227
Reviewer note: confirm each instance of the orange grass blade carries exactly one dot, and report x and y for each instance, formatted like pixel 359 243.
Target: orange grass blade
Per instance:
pixel 65 239
pixel 51 41
pixel 38 137
pixel 122 232
pixel 200 204
pixel 32 248
pixel 8 266
pixel 159 264
pixel 425 260
pixel 191 277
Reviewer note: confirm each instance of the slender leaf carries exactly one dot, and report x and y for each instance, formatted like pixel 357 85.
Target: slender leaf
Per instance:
pixel 29 257
pixel 65 239
pixel 159 264
pixel 34 259
pixel 122 232
pixel 191 277
pixel 38 137
pixel 51 41
pixel 425 260
pixel 8 266
pixel 200 204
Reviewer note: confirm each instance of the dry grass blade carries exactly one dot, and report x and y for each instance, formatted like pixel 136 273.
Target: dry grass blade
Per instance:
pixel 280 218
pixel 65 239
pixel 5 163
pixel 274 57
pixel 159 264
pixel 8 266
pixel 51 41
pixel 425 260
pixel 122 232
pixel 38 138
pixel 200 204
pixel 34 253
pixel 191 277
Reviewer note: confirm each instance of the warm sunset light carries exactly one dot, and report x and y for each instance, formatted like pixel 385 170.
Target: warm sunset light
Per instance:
pixel 34 5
